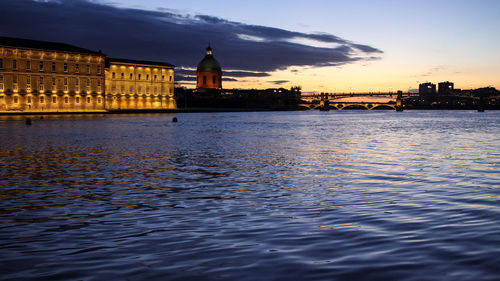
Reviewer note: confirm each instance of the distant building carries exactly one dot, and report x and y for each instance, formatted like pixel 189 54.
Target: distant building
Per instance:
pixel 49 76
pixel 209 72
pixel 445 88
pixel 134 85
pixel 427 90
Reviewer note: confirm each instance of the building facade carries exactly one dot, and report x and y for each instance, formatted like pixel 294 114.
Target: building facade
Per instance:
pixel 209 72
pixel 139 85
pixel 39 76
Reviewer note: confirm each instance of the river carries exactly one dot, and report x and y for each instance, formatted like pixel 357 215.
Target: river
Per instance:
pixel 338 195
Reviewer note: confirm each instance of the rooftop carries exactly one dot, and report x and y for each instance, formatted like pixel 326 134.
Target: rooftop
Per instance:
pixel 44 45
pixel 143 62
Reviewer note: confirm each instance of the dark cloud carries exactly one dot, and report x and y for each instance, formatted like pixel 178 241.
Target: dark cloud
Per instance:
pixel 164 35
pixel 279 82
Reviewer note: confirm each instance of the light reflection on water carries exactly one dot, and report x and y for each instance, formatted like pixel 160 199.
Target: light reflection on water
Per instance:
pixel 276 195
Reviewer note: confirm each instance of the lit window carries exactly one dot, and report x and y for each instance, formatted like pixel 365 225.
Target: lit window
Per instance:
pixel 15 82
pixel 14 64
pixel 53 67
pixel 28 82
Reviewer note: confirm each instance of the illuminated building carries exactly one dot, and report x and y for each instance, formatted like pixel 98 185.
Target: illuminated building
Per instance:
pixel 209 73
pixel 139 85
pixel 40 76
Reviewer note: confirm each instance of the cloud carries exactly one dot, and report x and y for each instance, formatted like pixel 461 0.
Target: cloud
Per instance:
pixel 279 82
pixel 243 50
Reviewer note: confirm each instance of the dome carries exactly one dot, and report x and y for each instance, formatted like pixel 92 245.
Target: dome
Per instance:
pixel 209 63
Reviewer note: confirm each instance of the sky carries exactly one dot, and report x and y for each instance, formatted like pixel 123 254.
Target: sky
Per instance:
pixel 320 45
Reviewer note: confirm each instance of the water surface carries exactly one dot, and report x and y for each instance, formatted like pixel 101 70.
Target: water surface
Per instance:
pixel 339 195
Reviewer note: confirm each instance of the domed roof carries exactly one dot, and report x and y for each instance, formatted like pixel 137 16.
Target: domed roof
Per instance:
pixel 208 63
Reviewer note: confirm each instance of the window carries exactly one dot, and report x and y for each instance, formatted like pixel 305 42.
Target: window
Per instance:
pixel 98 85
pixel 154 77
pixel 147 90
pixel 77 68
pixel 77 100
pixel 88 85
pixel 147 77
pixel 53 84
pixel 113 75
pixel 28 65
pixel 53 67
pixel 28 82
pixel 131 76
pixel 16 99
pixel 139 76
pixel 139 90
pixel 65 67
pixel 1 82
pixel 41 66
pixel 99 100
pixel 213 80
pixel 88 99
pixel 54 99
pixel 42 99
pixel 14 80
pixel 14 64
pixel 99 69
pixel 40 86
pixel 122 76
pixel 65 83
pixel 155 90
pixel 163 78
pixel 170 78
pixel 122 89
pixel 88 68
pixel 28 99
pixel 1 63
pixel 66 100
pixel 204 80
pixel 131 90
pixel 77 84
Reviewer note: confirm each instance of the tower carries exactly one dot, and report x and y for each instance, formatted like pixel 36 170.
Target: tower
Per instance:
pixel 209 73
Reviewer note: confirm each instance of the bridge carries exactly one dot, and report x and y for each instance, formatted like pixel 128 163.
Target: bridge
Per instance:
pixel 340 101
